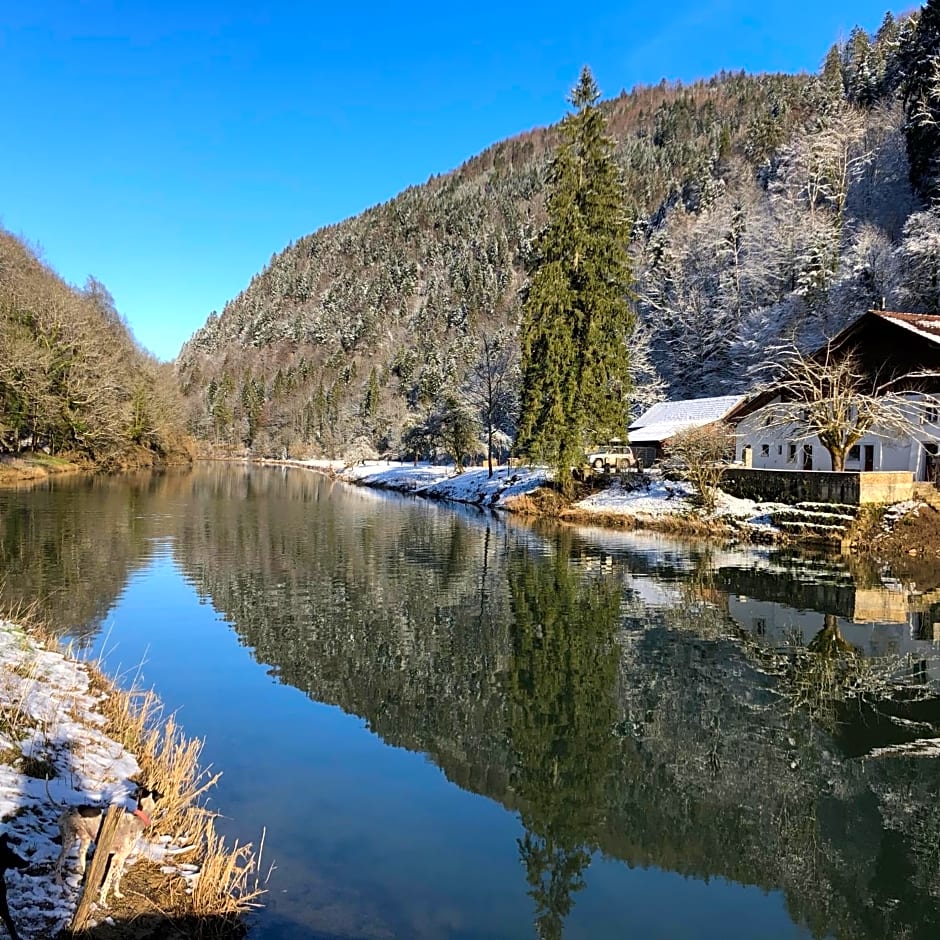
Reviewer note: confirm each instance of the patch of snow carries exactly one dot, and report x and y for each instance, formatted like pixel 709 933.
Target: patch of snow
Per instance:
pixel 898 511
pixel 50 718
pixel 689 412
pixel 474 485
pixel 661 497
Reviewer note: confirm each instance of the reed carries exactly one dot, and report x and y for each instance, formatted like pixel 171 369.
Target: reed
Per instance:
pixel 228 884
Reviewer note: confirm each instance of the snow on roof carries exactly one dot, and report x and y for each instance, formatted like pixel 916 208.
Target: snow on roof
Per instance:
pixel 926 325
pixel 661 430
pixel 667 418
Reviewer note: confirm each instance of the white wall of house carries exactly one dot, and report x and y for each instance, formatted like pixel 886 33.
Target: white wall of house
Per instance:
pixel 782 448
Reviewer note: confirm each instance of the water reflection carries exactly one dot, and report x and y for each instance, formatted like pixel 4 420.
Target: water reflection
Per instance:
pixel 721 713
pixel 561 707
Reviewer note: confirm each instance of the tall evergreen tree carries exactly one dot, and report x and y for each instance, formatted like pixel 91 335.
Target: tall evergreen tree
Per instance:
pixel 577 316
pixel 861 71
pixel 920 63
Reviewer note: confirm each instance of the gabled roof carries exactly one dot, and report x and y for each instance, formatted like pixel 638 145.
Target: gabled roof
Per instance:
pixel 667 418
pixel 880 339
pixel 925 325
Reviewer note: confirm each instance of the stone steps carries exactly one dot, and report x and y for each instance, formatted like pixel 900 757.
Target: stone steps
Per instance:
pixel 825 521
pixel 927 493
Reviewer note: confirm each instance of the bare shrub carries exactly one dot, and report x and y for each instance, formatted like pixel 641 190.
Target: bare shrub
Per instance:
pixel 702 454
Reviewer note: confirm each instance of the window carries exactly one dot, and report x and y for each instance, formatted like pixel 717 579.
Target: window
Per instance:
pixel 780 450
pixel 855 452
pixel 930 414
pixel 765 450
pixel 791 453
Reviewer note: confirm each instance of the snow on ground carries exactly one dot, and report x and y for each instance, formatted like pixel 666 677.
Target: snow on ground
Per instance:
pixel 49 723
pixel 897 511
pixel 659 497
pixel 474 485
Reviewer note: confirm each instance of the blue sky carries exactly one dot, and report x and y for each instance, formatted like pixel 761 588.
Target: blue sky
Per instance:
pixel 169 149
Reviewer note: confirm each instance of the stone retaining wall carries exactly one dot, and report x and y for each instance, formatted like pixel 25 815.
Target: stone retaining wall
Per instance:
pixel 819 486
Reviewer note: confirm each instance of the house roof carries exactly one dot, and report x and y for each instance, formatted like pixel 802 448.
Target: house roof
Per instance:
pixel 874 336
pixel 667 418
pixel 925 325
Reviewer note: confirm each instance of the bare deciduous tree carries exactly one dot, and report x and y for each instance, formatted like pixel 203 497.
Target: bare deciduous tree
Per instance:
pixel 828 395
pixel 490 387
pixel 819 168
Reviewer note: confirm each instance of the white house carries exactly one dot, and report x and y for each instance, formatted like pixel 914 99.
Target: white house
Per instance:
pixel 665 419
pixel 900 348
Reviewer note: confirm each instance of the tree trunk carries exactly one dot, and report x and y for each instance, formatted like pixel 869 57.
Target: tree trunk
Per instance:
pixel 838 459
pixel 489 447
pixel 97 868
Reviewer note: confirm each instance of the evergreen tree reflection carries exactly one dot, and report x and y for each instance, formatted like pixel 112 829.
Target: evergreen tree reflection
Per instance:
pixel 561 709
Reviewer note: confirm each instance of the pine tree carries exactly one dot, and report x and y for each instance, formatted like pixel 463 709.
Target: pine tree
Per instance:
pixel 370 402
pixel 831 75
pixel 577 317
pixel 920 57
pixel 861 73
pixel 887 44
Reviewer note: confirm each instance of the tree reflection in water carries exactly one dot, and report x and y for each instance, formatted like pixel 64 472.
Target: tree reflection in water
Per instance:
pixel 561 709
pixel 692 710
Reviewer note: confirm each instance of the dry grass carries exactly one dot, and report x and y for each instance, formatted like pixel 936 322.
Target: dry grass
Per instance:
pixel 542 501
pixel 15 721
pixel 27 469
pixel 686 524
pixel 228 884
pixel 169 761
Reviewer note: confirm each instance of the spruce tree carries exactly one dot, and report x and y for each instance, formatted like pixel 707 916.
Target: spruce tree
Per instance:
pixel 577 316
pixel 920 64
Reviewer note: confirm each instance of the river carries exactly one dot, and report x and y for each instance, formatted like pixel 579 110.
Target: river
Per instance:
pixel 450 724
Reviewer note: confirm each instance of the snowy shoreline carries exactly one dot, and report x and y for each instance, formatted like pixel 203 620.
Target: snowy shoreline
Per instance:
pixel 661 503
pixel 54 752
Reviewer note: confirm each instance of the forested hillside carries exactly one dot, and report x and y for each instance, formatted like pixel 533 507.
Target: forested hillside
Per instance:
pixel 761 207
pixel 72 379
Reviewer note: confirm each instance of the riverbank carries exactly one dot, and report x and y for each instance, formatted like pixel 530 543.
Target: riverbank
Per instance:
pixel 30 467
pixel 642 500
pixel 651 501
pixel 68 737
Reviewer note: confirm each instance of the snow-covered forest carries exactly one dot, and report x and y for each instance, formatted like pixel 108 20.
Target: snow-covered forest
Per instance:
pixel 763 209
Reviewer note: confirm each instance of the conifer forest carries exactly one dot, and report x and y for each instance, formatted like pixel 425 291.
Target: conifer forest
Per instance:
pixel 755 211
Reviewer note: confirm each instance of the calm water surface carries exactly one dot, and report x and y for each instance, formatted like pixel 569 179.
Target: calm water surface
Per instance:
pixel 454 726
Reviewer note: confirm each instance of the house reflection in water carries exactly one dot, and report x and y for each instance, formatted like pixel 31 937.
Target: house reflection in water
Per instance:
pixel 876 621
pixel 784 598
